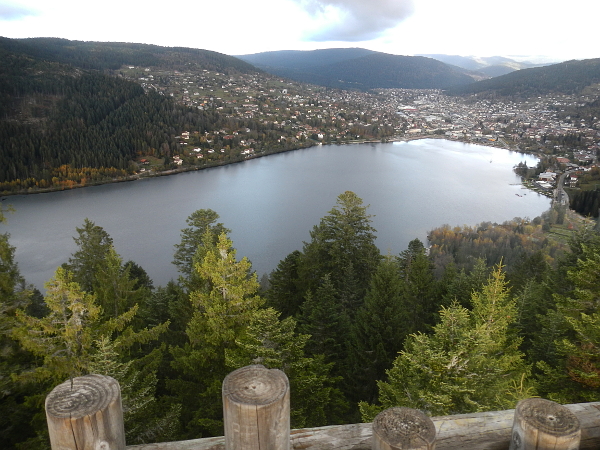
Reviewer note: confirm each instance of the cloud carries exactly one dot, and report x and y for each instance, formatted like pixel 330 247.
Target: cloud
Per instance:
pixel 355 20
pixel 9 11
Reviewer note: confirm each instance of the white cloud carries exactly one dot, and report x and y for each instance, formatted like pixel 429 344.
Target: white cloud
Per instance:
pixel 464 27
pixel 354 20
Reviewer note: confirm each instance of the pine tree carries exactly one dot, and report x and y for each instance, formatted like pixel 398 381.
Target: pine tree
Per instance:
pixel 284 293
pixel 64 338
pixel 15 414
pixel 192 237
pixel 326 322
pixel 275 344
pixel 115 289
pixel 222 306
pixel 419 296
pixel 469 363
pixel 65 341
pixel 145 419
pixel 343 246
pixel 93 244
pixel 573 375
pixel 465 283
pixel 378 332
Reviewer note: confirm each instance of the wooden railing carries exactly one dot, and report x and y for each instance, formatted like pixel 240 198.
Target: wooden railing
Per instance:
pixel 86 414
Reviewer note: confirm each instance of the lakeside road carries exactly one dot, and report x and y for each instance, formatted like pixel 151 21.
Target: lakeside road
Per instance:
pixel 560 195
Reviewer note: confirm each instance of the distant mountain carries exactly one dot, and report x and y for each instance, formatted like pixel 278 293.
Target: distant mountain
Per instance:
pixel 298 60
pixel 356 68
pixel 569 77
pixel 490 66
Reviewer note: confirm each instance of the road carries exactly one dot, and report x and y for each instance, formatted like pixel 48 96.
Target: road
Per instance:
pixel 560 196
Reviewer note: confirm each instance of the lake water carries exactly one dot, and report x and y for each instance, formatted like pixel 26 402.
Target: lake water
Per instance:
pixel 272 203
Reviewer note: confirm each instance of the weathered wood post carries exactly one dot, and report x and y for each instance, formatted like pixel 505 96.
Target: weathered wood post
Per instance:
pixel 86 414
pixel 542 424
pixel 256 409
pixel 403 429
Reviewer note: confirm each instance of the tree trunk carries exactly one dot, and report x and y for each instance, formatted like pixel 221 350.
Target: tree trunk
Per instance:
pixel 542 424
pixel 86 414
pixel 256 409
pixel 403 429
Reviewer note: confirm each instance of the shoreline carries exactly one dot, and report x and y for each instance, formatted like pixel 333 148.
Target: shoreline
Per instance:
pixel 5 195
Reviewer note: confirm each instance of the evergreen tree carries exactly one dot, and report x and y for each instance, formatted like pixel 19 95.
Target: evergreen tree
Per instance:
pixel 145 419
pixel 326 322
pixel 66 336
pixel 573 375
pixel 275 344
pixel 284 293
pixel 343 246
pixel 461 287
pixel 378 332
pixel 15 414
pixel 419 293
pixel 93 244
pixel 192 237
pixel 469 363
pixel 65 340
pixel 115 289
pixel 222 307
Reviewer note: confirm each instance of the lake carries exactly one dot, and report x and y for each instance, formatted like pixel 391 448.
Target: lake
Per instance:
pixel 272 203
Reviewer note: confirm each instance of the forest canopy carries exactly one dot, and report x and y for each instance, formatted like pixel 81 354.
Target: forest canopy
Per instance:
pixel 354 330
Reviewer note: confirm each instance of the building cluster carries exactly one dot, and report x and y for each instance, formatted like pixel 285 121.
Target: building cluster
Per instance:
pixel 263 110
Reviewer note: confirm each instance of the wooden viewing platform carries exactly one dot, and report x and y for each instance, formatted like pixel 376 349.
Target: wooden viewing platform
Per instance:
pixel 256 411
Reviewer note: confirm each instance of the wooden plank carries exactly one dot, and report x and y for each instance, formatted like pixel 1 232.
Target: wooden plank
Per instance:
pixel 477 431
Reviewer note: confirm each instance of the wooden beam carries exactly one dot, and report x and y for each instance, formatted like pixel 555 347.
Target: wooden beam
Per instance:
pixel 86 414
pixel 256 409
pixel 543 424
pixel 477 431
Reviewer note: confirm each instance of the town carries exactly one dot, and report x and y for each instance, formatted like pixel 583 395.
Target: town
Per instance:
pixel 294 115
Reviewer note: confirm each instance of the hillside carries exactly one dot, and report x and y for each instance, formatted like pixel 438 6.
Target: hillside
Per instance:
pixel 298 60
pixel 114 55
pixel 569 77
pixel 74 114
pixel 360 69
pixel 66 119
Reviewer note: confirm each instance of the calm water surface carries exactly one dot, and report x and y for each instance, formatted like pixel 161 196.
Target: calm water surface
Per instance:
pixel 272 203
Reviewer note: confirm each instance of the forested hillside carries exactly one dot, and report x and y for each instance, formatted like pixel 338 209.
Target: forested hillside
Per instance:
pixel 569 77
pixel 356 68
pixel 67 119
pixel 489 315
pixel 113 55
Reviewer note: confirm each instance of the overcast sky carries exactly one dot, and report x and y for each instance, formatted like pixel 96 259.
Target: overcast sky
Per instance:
pixel 556 31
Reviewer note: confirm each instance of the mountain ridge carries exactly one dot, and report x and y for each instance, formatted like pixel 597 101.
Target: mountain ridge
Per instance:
pixel 357 68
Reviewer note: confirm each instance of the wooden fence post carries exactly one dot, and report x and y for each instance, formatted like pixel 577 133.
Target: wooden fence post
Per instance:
pixel 403 429
pixel 256 409
pixel 86 414
pixel 542 424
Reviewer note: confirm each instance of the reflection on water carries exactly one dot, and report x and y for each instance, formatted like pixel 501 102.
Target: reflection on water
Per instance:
pixel 272 203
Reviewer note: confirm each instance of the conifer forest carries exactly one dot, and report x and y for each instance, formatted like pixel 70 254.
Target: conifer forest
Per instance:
pixel 483 317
